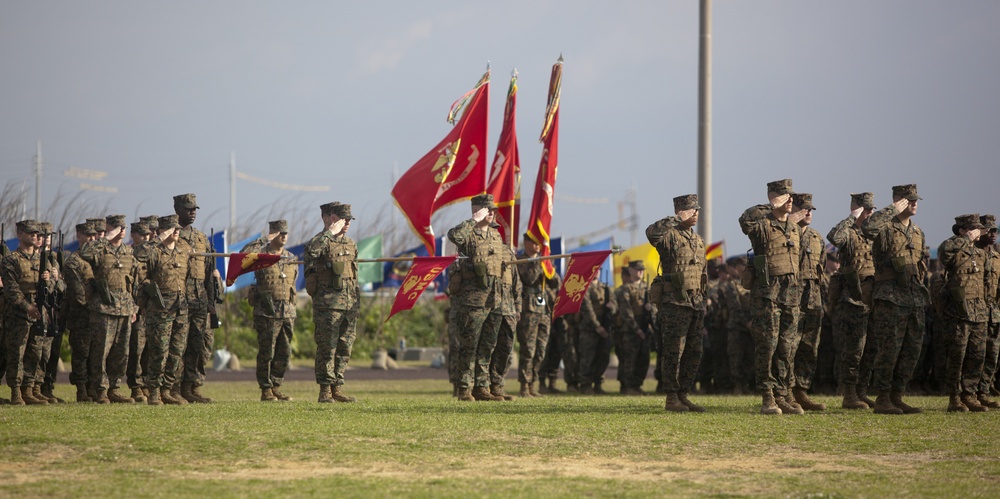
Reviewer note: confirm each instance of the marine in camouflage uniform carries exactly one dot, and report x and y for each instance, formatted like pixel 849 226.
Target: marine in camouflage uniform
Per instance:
pixel 680 297
pixel 714 374
pixel 593 346
pixel 987 242
pixel 331 270
pixel 535 324
pixel 111 310
pixel 632 329
pixel 165 294
pixel 20 273
pixel 142 245
pixel 899 296
pixel 775 295
pixel 78 275
pixel 851 300
pixel 480 298
pixel 203 286
pixel 739 341
pixel 273 300
pixel 4 251
pixel 812 268
pixel 454 286
pixel 966 311
pixel 510 309
pixel 41 352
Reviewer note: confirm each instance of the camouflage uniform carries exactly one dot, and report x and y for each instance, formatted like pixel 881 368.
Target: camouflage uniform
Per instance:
pixel 899 296
pixel 202 289
pixel 593 351
pixel 137 356
pixel 78 275
pixel 534 327
pixel 633 336
pixel 992 295
pixel 813 274
pixel 111 307
pixel 19 272
pixel 739 342
pixel 510 306
pixel 167 322
pixel 48 366
pixel 454 286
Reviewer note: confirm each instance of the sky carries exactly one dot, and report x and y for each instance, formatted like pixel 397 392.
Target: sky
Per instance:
pixel 842 97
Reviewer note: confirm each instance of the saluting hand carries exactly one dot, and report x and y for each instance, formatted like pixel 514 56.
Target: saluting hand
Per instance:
pixel 973 234
pixel 857 211
pixel 338 226
pixel 901 205
pixel 480 215
pixel 780 200
pixel 797 216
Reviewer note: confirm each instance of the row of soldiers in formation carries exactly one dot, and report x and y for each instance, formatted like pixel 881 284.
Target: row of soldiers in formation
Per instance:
pixel 877 298
pixel 141 311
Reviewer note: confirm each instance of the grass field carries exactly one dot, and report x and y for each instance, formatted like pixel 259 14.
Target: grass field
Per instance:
pixel 411 438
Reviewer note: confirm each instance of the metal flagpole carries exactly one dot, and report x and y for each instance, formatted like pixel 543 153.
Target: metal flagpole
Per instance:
pixel 705 123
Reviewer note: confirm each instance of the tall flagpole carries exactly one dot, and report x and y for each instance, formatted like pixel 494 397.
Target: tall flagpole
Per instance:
pixel 232 198
pixel 38 181
pixel 705 123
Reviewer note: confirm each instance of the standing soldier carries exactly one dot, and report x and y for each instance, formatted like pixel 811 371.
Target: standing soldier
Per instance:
pixel 594 340
pixel 851 297
pixel 899 296
pixel 99 226
pixel 775 295
pixel 20 272
pixel 112 310
pixel 510 309
pixel 78 276
pixel 39 353
pixel 987 243
pixel 273 302
pixel 966 311
pixel 534 327
pixel 167 320
pixel 631 329
pixel 682 299
pixel 739 341
pixel 480 298
pixel 142 245
pixel 331 270
pixel 202 287
pixel 812 265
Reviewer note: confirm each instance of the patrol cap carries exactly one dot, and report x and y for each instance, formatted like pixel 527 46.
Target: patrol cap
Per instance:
pixel 168 222
pixel 151 221
pixel 28 226
pixel 86 228
pixel 803 200
pixel 686 202
pixel 908 191
pixel 116 221
pixel 98 224
pixel 864 199
pixel 139 228
pixel 45 228
pixel 969 222
pixel 783 186
pixel 277 226
pixel 485 201
pixel 186 201
pixel 988 221
pixel 637 265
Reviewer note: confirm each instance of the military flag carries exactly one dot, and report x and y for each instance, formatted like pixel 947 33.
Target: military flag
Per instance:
pixel 580 272
pixel 369 248
pixel 714 250
pixel 540 220
pixel 244 263
pixel 645 252
pixel 422 273
pixel 505 175
pixel 454 170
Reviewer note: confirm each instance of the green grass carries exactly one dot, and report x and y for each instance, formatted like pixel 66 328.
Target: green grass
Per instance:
pixel 410 438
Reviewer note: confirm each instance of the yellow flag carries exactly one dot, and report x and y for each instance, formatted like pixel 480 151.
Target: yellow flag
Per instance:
pixel 645 252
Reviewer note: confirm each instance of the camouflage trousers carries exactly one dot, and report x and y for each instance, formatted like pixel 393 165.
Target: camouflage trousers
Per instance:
pixel 454 373
pixel 108 349
pixel 200 341
pixel 553 355
pixel 681 344
pixel 569 352
pixel 17 333
pixel 899 333
pixel 79 346
pixel 274 339
pixel 51 367
pixel 739 347
pixel 477 337
pixel 992 357
pixel 500 360
pixel 966 356
pixel 807 353
pixel 857 354
pixel 532 338
pixel 775 329
pixel 593 354
pixel 335 333
pixel 166 339
pixel 137 356
pixel 633 358
pixel 36 359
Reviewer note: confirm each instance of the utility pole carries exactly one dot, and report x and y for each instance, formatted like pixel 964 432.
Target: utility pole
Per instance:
pixel 232 198
pixel 38 181
pixel 705 123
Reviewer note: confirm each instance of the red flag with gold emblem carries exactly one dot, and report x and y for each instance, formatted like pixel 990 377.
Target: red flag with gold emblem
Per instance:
pixel 244 263
pixel 453 171
pixel 505 176
pixel 421 274
pixel 540 220
pixel 581 270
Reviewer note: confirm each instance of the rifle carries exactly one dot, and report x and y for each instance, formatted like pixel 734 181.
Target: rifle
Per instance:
pixel 43 298
pixel 60 319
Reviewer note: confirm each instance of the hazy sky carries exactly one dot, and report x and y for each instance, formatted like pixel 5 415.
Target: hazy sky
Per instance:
pixel 840 96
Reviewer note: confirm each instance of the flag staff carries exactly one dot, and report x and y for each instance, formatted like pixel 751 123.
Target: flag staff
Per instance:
pixel 705 122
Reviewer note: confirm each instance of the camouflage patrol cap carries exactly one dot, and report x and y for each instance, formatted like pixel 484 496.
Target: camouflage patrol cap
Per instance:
pixel 908 191
pixel 98 224
pixel 989 221
pixel 783 186
pixel 969 222
pixel 186 201
pixel 484 200
pixel 277 226
pixel 686 202
pixel 116 221
pixel 341 210
pixel 28 226
pixel 637 265
pixel 803 201
pixel 86 228
pixel 864 199
pixel 45 228
pixel 151 221
pixel 140 228
pixel 168 222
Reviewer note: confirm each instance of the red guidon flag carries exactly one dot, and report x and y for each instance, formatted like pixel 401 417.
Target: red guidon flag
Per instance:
pixel 243 263
pixel 540 220
pixel 453 171
pixel 580 271
pixel 421 274
pixel 505 175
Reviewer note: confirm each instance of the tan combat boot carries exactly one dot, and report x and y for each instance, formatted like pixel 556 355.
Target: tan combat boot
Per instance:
pixel 497 391
pixel 36 391
pixel 955 404
pixel 47 392
pixel 851 400
pixel 325 394
pixel 586 389
pixel 533 392
pixel 117 398
pixel 788 405
pixel 199 398
pixel 674 404
pixel 154 397
pixel 803 399
pixel 972 403
pixel 28 395
pixel 693 407
pixel 524 391
pixel 267 396
pixel 862 392
pixel 278 395
pixel 884 405
pixel 340 396
pixel 15 396
pixel 985 401
pixel 768 404
pixel 481 393
pixel 186 393
pixel 552 386
pixel 168 398
pixel 897 400
pixel 465 395
pixel 138 395
pixel 81 393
